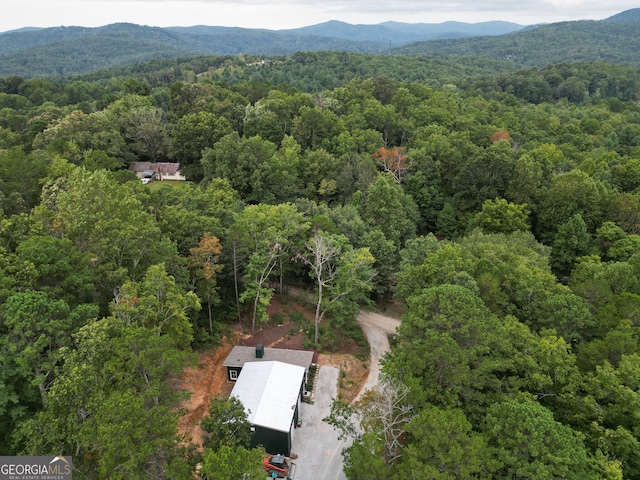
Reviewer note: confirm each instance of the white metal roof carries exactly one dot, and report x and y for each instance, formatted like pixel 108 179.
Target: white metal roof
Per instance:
pixel 269 392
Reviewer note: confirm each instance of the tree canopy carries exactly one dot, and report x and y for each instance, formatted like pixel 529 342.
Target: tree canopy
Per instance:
pixel 498 212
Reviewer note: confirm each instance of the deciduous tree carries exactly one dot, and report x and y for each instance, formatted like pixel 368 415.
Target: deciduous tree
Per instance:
pixel 110 406
pixel 393 160
pixel 376 421
pixel 230 463
pixel 341 274
pixel 500 216
pixel 204 261
pixel 226 425
pixel 266 234
pixel 157 303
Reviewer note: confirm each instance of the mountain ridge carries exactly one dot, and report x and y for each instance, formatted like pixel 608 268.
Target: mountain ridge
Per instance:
pixel 65 51
pixel 610 41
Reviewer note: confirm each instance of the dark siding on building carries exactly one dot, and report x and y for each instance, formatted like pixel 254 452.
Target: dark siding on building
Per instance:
pixel 272 441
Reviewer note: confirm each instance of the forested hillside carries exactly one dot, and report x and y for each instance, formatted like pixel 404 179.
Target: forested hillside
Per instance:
pixel 69 51
pixel 608 41
pixel 501 210
pixel 66 51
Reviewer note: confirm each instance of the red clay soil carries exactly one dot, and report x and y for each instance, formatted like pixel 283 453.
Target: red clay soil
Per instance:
pixel 205 381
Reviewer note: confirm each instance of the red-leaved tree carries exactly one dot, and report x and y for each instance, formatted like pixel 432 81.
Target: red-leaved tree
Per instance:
pixel 393 160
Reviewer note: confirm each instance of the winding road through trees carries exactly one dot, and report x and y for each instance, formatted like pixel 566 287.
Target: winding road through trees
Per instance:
pixel 317 445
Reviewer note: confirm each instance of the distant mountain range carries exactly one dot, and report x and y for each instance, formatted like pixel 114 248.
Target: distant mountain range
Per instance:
pixel 615 40
pixel 67 51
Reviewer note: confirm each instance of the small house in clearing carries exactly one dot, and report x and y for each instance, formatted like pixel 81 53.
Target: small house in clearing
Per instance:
pixel 157 171
pixel 271 393
pixel 240 355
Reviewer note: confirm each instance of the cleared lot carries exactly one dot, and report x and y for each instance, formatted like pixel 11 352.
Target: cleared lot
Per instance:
pixel 316 442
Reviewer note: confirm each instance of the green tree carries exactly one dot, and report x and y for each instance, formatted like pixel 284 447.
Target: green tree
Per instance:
pixel 188 211
pixel 267 232
pixel 230 463
pixel 111 405
pixel 130 440
pixel 484 176
pixel 623 339
pixel 107 220
pixel 226 425
pixel 195 132
pixel 389 208
pixel 570 193
pixel 500 216
pixel 442 445
pixel 385 252
pixel 241 161
pixel 315 127
pixel 530 444
pixel 563 311
pixel 341 274
pixel 157 303
pixel 530 175
pixel 21 177
pixel 148 131
pixel 445 263
pixel 572 240
pixel 382 118
pixel 616 400
pixel 448 346
pixel 624 211
pixel 363 461
pixel 319 171
pixel 79 134
pixel 279 179
pixel 375 421
pixel 63 270
pixel 447 224
pixel 541 364
pixel 203 259
pixel 606 235
pixel 512 271
pixel 35 326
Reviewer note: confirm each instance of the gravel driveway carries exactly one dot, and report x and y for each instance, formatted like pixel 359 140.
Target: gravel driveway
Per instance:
pixel 316 442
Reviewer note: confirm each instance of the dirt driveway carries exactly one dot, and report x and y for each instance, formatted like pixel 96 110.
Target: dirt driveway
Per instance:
pixel 377 328
pixel 316 443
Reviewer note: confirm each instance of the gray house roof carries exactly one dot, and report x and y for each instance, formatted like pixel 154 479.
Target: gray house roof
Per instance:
pixel 269 392
pixel 241 355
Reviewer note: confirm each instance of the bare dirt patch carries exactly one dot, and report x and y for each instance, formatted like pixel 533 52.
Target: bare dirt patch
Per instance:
pixel 207 380
pixel 353 373
pixel 288 327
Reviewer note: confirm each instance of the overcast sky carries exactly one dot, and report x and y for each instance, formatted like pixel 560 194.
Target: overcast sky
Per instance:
pixel 282 14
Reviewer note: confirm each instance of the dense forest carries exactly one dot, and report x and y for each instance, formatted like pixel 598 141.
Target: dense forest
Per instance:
pixel 501 210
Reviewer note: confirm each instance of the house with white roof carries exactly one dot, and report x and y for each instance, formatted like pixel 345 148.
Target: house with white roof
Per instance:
pixel 271 392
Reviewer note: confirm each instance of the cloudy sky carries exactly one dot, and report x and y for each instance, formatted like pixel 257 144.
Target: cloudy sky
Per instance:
pixel 282 14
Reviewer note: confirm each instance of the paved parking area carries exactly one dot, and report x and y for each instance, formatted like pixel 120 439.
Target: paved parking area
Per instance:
pixel 316 442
